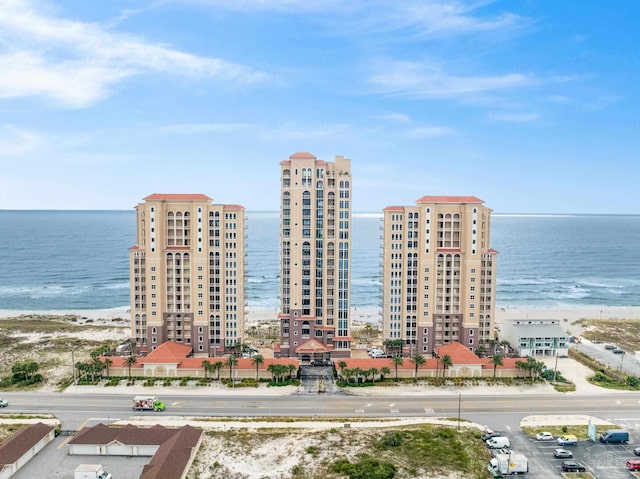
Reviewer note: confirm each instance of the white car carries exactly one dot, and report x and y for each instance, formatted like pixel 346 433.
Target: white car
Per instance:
pixel 544 436
pixel 3 402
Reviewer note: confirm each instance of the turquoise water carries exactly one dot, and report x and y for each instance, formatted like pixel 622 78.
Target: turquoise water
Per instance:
pixel 79 259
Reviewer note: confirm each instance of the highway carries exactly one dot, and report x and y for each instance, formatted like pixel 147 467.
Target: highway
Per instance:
pixel 74 408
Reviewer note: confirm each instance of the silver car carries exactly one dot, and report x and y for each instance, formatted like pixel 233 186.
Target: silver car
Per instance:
pixel 3 402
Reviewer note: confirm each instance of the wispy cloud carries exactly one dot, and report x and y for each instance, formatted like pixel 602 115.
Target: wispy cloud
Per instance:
pixel 197 128
pixel 437 18
pixel 76 64
pixel 424 17
pixel 17 142
pixel 514 117
pixel 430 81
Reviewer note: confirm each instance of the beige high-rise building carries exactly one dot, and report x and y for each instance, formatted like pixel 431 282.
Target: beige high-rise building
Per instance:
pixel 438 273
pixel 187 274
pixel 315 269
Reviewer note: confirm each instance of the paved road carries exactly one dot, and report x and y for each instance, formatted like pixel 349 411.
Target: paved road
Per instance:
pixel 626 362
pixel 79 407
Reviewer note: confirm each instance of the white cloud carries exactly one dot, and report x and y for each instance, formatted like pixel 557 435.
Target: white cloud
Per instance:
pixel 396 117
pixel 17 142
pixel 195 128
pixel 429 81
pixel 426 131
pixel 514 117
pixel 75 63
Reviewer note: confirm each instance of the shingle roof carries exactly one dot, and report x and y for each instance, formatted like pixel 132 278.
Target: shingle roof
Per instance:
pixel 173 456
pixel 19 443
pixel 176 445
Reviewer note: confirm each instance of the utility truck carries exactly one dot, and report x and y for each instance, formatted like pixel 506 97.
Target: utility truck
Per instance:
pixel 147 403
pixel 505 463
pixel 90 471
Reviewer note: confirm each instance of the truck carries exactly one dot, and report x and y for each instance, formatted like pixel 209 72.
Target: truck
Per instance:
pixel 508 463
pixel 147 403
pixel 91 471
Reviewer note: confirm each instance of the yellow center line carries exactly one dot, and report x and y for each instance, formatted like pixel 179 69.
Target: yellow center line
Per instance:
pixel 64 443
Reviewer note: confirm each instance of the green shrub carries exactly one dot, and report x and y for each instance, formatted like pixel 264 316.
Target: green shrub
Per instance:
pixel 366 467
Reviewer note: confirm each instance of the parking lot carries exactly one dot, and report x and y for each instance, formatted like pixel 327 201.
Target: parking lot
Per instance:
pixel 604 461
pixel 626 362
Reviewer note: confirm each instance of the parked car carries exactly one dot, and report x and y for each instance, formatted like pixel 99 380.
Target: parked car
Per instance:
pixel 567 440
pixel 562 454
pixel 3 402
pixel 498 442
pixel 609 347
pixel 489 435
pixel 572 466
pixel 633 464
pixel 617 351
pixel 544 436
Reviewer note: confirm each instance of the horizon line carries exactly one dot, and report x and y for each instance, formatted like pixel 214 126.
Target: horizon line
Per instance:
pixel 355 213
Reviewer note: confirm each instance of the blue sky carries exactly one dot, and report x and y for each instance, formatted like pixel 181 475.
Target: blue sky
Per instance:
pixel 531 106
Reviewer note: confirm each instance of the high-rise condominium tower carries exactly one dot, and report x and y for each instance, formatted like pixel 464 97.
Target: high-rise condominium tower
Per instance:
pixel 315 234
pixel 438 273
pixel 187 274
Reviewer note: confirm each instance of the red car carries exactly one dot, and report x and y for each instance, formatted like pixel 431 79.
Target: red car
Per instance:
pixel 633 464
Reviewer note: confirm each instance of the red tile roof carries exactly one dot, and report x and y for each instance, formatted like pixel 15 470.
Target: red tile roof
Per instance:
pixel 167 352
pixel 458 353
pixel 312 346
pixel 449 199
pixel 394 208
pixel 177 197
pixel 302 155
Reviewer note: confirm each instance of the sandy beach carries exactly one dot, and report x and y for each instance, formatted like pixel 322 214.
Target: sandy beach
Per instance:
pixel 371 314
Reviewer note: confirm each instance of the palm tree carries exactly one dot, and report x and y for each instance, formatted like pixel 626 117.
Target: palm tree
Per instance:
pixel 231 363
pixel 348 373
pixel 107 363
pixel 397 361
pixel 418 360
pixel 257 361
pixel 446 362
pixel 383 372
pixel 357 372
pixel 372 372
pixel 273 370
pixel 496 360
pixel 130 361
pixel 291 368
pixel 215 367
pixel 206 365
pixel 342 365
pixel 505 345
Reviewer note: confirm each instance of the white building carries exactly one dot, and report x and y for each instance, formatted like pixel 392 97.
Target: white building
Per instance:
pixel 535 337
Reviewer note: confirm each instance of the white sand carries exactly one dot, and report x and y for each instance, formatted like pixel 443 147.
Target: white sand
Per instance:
pixel 373 314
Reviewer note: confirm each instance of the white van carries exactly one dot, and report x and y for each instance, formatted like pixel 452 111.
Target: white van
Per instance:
pixel 498 442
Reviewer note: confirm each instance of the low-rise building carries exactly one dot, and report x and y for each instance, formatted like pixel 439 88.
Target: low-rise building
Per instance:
pixel 535 337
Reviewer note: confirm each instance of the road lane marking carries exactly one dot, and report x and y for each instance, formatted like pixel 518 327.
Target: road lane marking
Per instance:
pixel 394 411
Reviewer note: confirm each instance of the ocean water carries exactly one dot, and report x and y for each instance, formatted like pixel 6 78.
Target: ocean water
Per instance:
pixel 54 260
